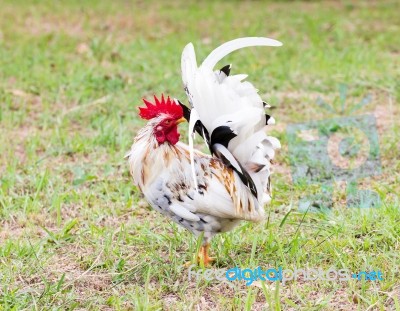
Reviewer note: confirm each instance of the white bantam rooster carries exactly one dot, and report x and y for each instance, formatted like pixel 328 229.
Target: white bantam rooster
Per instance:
pixel 207 193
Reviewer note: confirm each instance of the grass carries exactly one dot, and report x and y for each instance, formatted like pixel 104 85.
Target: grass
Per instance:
pixel 76 234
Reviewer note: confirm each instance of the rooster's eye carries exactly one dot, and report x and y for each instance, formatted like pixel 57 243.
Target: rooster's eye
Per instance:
pixel 167 122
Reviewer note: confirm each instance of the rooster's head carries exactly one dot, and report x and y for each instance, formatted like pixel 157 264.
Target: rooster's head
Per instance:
pixel 164 115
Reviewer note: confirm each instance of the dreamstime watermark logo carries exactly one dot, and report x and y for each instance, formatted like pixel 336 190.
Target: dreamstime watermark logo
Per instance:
pixel 282 275
pixel 344 148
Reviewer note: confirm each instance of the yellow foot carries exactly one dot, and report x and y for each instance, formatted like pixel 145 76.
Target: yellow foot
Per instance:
pixel 207 261
pixel 202 258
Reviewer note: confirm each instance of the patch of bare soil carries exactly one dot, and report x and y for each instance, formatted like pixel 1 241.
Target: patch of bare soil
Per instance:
pixel 50 24
pixel 10 230
pixel 341 298
pixel 386 112
pixel 64 264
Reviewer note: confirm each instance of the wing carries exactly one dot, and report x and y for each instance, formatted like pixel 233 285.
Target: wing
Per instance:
pixel 220 193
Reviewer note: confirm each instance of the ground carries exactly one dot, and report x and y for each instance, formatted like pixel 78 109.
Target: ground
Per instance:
pixel 76 234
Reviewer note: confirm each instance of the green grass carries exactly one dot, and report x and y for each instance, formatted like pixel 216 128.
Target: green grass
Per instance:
pixel 75 233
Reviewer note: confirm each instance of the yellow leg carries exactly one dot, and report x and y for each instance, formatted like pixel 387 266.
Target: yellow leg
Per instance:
pixel 203 257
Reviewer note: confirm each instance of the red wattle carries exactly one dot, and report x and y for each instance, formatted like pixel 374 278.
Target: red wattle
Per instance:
pixel 173 135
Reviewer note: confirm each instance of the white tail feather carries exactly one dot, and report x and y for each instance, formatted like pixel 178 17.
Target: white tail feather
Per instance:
pixel 230 46
pixel 194 117
pixel 220 100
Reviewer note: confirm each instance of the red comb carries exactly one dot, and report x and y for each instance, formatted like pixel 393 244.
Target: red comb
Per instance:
pixel 160 106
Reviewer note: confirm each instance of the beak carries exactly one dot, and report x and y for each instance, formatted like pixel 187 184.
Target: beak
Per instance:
pixel 180 120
